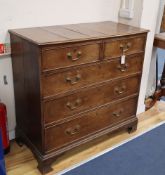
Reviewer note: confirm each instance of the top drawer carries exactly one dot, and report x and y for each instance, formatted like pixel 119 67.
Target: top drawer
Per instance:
pixel 66 56
pixel 119 46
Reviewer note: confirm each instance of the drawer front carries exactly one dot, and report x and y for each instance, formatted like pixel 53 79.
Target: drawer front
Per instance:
pixel 81 77
pixel 126 46
pixel 61 135
pixel 68 56
pixel 61 108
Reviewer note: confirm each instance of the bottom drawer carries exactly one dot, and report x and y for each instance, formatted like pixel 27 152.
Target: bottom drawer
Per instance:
pixel 88 123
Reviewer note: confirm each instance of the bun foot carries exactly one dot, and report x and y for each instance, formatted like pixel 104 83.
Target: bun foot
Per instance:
pixel 45 167
pixel 132 129
pixel 19 141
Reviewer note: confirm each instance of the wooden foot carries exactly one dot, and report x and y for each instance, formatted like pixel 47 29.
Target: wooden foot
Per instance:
pixel 45 167
pixel 132 128
pixel 19 141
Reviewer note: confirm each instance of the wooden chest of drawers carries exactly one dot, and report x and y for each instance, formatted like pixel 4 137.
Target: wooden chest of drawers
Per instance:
pixel 70 85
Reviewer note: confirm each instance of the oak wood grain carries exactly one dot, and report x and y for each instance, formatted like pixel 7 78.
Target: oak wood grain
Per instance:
pixel 66 56
pixel 84 76
pixel 89 123
pixel 60 34
pixel 124 45
pixel 159 40
pixel 59 109
pixel 57 61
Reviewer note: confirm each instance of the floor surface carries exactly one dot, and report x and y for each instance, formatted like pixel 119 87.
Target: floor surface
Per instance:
pixel 20 161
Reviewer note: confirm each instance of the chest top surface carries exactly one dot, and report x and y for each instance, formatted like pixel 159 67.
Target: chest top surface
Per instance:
pixel 75 32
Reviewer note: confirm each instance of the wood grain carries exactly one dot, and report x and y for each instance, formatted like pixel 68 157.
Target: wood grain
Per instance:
pixel 124 45
pixel 78 54
pixel 27 86
pixel 159 40
pixel 93 74
pixel 65 107
pixel 20 161
pixel 74 32
pixel 52 68
pixel 89 123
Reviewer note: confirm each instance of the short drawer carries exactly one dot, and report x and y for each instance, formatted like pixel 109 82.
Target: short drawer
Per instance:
pixel 61 108
pixel 60 57
pixel 84 76
pixel 89 123
pixel 126 46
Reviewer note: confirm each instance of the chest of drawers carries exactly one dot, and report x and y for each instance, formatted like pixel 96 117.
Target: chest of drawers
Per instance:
pixel 70 86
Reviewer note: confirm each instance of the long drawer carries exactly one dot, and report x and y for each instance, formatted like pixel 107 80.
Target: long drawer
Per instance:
pixel 89 123
pixel 119 46
pixel 69 55
pixel 64 107
pixel 83 76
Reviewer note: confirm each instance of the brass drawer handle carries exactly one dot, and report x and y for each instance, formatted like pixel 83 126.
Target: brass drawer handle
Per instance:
pixel 125 47
pixel 74 105
pixel 120 90
pixel 118 113
pixel 123 67
pixel 73 80
pixel 78 56
pixel 73 131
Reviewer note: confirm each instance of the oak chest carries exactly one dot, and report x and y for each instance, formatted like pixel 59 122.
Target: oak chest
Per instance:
pixel 74 83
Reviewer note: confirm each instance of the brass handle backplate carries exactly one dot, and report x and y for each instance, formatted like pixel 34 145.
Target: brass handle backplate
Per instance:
pixel 118 113
pixel 123 67
pixel 120 90
pixel 73 80
pixel 74 105
pixel 76 56
pixel 73 130
pixel 125 47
